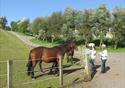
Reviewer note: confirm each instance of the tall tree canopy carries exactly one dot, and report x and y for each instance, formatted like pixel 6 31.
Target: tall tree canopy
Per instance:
pixel 118 26
pixel 3 22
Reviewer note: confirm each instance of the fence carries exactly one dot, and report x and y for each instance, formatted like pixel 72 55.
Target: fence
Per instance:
pixel 67 75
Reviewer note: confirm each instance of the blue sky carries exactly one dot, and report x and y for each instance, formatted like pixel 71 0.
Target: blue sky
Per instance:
pixel 18 9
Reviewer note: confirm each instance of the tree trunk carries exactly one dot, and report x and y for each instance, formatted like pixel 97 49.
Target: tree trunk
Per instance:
pixel 116 45
pixel 86 42
pixel 100 43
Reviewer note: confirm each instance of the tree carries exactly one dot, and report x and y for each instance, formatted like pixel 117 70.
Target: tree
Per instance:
pixel 8 28
pixel 14 26
pixel 66 32
pixel 54 24
pixel 3 22
pixel 39 24
pixel 102 21
pixel 23 25
pixel 87 25
pixel 69 17
pixel 78 21
pixel 118 26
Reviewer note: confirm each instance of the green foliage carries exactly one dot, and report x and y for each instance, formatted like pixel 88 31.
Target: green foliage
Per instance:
pixel 39 24
pixel 14 26
pixel 23 25
pixel 102 21
pixel 87 25
pixel 69 17
pixel 3 22
pixel 55 23
pixel 118 26
pixel 8 28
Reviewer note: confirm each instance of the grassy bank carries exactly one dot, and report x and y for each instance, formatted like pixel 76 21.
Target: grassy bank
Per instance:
pixel 14 49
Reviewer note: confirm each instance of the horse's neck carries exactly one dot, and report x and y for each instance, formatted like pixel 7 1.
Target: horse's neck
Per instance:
pixel 64 49
pixel 61 48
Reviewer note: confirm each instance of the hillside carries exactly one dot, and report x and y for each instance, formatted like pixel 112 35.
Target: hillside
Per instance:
pixel 11 47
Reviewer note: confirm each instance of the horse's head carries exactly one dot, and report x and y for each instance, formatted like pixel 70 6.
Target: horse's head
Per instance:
pixel 71 46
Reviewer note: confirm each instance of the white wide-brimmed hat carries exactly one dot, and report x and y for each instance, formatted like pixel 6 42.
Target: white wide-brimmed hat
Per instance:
pixel 91 44
pixel 103 45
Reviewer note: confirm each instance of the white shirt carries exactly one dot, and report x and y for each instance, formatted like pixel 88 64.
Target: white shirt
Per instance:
pixel 87 51
pixel 93 54
pixel 104 54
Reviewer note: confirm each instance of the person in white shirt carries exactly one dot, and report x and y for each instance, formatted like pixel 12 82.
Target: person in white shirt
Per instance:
pixel 92 57
pixel 87 50
pixel 103 55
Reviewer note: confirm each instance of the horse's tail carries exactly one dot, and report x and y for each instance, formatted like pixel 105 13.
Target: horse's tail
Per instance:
pixel 29 64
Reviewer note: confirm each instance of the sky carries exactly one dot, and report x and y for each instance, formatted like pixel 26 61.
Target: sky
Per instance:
pixel 15 10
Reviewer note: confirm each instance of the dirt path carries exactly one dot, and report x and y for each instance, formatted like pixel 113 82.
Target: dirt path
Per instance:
pixel 24 39
pixel 115 76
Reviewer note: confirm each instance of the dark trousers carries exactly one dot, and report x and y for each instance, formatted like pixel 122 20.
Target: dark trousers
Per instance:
pixel 103 67
pixel 93 65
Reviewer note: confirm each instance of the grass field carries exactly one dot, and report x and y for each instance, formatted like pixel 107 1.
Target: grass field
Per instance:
pixel 14 49
pixel 43 43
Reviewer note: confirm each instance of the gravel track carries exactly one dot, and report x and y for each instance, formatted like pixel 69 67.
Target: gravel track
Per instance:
pixel 113 78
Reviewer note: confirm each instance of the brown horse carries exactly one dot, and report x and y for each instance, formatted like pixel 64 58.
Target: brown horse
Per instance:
pixel 70 55
pixel 48 55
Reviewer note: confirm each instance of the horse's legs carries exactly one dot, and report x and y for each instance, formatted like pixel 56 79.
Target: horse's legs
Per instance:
pixel 56 71
pixel 71 59
pixel 68 58
pixel 32 70
pixel 52 67
pixel 40 65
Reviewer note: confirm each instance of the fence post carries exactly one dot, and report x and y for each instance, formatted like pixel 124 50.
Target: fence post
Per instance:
pixel 87 68
pixel 60 71
pixel 9 74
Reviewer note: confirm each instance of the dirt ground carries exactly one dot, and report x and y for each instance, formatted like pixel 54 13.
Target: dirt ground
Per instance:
pixel 113 78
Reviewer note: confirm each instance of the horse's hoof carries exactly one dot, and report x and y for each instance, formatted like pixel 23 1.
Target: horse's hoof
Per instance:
pixel 56 75
pixel 33 78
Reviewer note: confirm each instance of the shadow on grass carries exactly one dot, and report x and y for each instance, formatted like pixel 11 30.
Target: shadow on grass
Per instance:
pixel 71 70
pixel 66 71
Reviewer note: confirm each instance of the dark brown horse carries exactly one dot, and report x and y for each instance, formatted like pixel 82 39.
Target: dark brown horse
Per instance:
pixel 48 55
pixel 70 55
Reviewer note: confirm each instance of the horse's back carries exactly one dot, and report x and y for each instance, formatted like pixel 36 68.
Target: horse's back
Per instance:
pixel 50 54
pixel 36 53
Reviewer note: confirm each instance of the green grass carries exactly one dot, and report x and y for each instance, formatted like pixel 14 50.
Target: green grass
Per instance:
pixel 119 50
pixel 43 43
pixel 112 50
pixel 11 48
pixel 14 49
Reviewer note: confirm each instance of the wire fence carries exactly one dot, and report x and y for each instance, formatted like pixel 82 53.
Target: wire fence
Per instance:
pixel 71 74
pixel 3 74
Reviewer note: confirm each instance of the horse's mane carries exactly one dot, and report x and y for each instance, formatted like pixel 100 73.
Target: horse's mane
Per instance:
pixel 60 45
